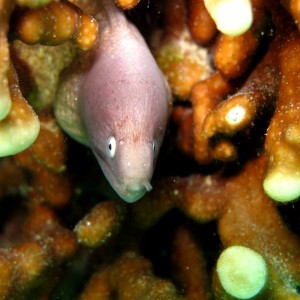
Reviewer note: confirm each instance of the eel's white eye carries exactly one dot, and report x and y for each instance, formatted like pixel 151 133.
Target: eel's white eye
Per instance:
pixel 111 147
pixel 155 147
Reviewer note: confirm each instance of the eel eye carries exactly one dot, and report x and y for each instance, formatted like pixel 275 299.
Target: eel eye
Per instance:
pixel 155 147
pixel 111 147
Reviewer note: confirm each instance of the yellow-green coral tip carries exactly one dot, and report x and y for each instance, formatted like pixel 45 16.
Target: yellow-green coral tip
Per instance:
pixel 232 17
pixel 242 272
pixel 33 3
pixel 18 134
pixel 282 187
pixel 5 103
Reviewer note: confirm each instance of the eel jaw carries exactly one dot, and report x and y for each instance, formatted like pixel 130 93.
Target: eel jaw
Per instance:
pixel 129 189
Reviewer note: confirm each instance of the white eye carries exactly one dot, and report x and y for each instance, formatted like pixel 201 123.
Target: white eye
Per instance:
pixel 155 147
pixel 111 147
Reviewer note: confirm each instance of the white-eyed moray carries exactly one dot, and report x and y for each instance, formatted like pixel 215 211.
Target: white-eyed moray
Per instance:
pixel 116 101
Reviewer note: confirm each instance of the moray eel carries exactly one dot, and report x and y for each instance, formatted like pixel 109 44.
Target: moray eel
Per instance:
pixel 116 101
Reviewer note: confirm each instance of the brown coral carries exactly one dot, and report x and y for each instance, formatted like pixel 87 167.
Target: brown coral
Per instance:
pixel 56 23
pixel 63 230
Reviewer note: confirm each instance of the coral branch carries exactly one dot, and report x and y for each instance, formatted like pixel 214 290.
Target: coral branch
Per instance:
pixel 100 224
pixel 6 8
pixel 243 223
pixel 251 101
pixel 144 285
pixel 197 196
pixel 33 3
pixel 127 4
pixel 242 272
pixel 21 123
pixel 55 24
pixel 282 182
pixel 39 59
pixel 292 6
pixel 233 54
pixel 190 265
pixel 46 160
pixel 130 267
pixel 237 203
pixel 232 17
pixel 201 25
pixel 205 96
pixel 182 61
pixel 98 286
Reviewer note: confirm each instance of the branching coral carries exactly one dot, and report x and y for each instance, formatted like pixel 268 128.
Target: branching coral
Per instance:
pixel 201 25
pixel 242 272
pixel 21 122
pixel 56 23
pixel 282 181
pixel 190 265
pixel 81 28
pixel 210 228
pixel 46 160
pixel 252 99
pixel 232 17
pixel 134 269
pixel 127 4
pixel 237 204
pixel 98 225
pixel 183 62
pixel 5 13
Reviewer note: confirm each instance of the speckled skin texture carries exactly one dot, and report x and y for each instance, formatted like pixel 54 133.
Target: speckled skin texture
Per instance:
pixel 123 102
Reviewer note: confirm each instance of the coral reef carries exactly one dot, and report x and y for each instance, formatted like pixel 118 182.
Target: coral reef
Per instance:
pixel 222 220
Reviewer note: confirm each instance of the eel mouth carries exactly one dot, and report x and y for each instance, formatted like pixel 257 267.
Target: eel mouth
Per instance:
pixel 134 190
pixel 131 189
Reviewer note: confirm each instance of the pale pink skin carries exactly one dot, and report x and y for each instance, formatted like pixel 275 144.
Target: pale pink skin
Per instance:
pixel 124 95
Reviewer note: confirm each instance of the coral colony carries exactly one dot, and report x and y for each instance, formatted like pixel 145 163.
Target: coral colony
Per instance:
pixel 220 217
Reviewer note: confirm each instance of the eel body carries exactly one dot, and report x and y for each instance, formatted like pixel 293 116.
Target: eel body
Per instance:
pixel 116 101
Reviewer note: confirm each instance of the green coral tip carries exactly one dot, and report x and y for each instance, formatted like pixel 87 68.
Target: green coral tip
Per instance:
pixel 242 272
pixel 282 187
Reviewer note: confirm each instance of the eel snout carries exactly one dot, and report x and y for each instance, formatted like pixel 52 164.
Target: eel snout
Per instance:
pixel 134 189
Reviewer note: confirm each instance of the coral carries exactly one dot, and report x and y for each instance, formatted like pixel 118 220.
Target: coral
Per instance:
pixel 21 121
pixel 190 265
pixel 56 23
pixel 242 272
pixel 97 226
pixel 6 8
pixel 205 96
pixel 282 182
pixel 33 3
pixel 132 268
pixel 241 109
pixel 231 17
pixel 46 161
pixel 222 219
pixel 127 4
pixel 39 58
pixel 293 8
pixel 201 25
pixel 237 203
pixel 182 61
